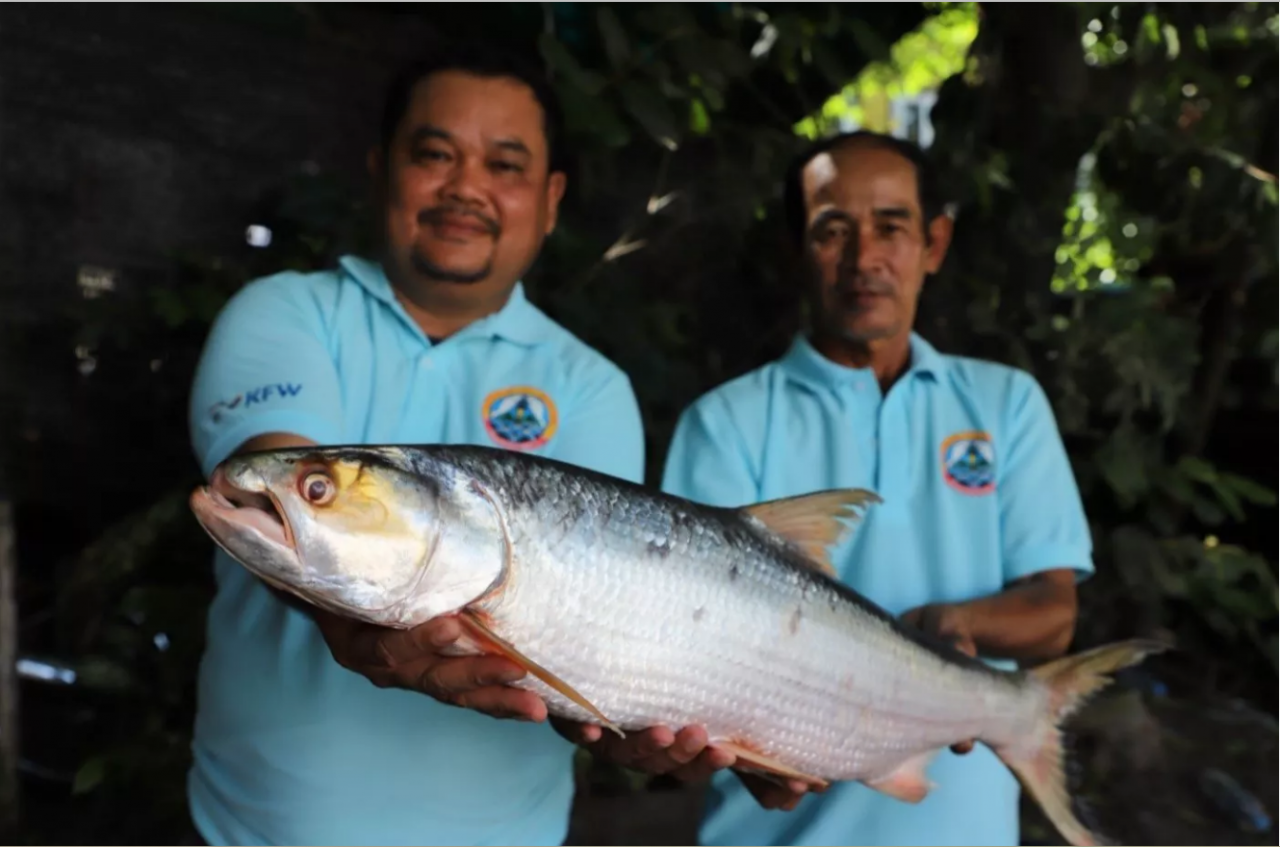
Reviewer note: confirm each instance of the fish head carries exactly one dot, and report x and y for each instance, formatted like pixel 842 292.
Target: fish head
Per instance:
pixel 352 530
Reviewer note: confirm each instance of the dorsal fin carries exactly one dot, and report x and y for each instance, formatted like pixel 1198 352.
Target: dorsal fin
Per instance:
pixel 814 522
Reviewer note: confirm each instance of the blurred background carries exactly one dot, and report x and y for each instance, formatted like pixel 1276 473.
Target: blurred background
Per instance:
pixel 1114 174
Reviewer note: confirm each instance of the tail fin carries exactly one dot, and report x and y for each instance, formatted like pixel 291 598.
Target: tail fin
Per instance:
pixel 1039 765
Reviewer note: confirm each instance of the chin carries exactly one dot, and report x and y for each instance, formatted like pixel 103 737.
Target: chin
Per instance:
pixel 462 273
pixel 862 333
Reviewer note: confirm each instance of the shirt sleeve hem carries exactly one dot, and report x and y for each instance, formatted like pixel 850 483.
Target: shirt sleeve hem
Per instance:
pixel 305 424
pixel 1051 557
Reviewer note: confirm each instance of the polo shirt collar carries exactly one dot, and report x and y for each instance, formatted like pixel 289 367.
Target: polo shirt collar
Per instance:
pixel 518 320
pixel 805 364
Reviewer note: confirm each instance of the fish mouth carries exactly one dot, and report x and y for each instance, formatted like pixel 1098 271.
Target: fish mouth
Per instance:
pixel 224 509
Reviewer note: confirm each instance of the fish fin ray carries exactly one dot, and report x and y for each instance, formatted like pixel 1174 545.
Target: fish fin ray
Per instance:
pixel 750 760
pixel 907 782
pixel 813 522
pixel 1039 761
pixel 490 641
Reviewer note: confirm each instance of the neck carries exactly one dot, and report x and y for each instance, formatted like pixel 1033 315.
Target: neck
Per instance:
pixel 888 358
pixel 441 309
pixel 441 317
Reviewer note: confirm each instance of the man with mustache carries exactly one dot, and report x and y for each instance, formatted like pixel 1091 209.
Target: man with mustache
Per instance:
pixel 312 729
pixel 981 536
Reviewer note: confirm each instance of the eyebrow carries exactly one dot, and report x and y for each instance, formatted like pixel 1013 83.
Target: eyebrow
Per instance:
pixel 828 216
pixel 426 131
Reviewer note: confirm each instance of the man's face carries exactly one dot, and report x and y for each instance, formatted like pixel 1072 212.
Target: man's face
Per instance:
pixel 468 195
pixel 865 248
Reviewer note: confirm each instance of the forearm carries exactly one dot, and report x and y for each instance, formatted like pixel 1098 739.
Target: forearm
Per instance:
pixel 1032 621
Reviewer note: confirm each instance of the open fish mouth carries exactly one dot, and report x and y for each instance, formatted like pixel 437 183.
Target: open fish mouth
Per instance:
pixel 225 509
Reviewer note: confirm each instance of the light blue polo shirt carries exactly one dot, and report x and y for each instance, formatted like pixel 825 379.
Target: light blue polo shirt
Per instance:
pixel 289 747
pixel 977 491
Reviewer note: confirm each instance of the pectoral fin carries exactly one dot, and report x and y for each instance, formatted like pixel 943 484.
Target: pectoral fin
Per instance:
pixel 749 760
pixel 490 642
pixel 813 522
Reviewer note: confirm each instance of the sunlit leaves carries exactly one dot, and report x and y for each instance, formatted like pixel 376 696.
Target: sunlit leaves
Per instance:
pixel 919 61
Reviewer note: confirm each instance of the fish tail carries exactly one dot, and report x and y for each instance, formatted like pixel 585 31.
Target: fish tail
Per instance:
pixel 1040 762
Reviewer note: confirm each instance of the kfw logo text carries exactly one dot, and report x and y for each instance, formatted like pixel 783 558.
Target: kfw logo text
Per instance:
pixel 258 395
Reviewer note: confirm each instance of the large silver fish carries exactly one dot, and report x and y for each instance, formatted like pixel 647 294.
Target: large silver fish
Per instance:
pixel 632 608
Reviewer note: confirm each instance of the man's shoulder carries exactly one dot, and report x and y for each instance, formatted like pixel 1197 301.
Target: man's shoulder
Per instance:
pixel 990 382
pixel 738 400
pixel 275 295
pixel 579 359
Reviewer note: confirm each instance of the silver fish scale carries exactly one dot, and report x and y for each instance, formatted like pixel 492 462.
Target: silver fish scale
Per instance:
pixel 661 614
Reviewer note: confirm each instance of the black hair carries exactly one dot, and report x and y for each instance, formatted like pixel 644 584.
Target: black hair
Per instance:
pixel 930 196
pixel 481 60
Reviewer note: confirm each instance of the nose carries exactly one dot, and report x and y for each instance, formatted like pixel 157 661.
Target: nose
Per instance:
pixel 466 182
pixel 861 252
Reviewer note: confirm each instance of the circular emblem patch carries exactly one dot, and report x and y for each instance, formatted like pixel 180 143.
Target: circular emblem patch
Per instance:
pixel 520 417
pixel 969 462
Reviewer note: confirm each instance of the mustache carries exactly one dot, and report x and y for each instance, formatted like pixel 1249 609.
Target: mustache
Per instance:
pixel 436 214
pixel 851 285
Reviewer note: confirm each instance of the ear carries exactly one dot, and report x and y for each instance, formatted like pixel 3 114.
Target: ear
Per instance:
pixel 940 229
pixel 556 182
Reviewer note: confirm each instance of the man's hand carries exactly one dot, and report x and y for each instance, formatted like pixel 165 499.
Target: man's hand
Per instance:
pixel 684 755
pixel 410 659
pixel 950 622
pixel 1030 621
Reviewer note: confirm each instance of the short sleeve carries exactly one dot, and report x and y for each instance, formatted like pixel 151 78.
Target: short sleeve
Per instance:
pixel 603 431
pixel 265 367
pixel 707 461
pixel 1042 518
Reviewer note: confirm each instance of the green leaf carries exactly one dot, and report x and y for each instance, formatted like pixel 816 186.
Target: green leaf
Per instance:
pixel 1229 500
pixel 592 117
pixel 1248 489
pixel 1207 512
pixel 565 66
pixel 699 121
pixel 1122 464
pixel 90 775
pixel 615 39
pixel 1198 469
pixel 651 111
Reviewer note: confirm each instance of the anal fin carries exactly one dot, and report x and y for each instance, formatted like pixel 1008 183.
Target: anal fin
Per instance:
pixel 490 642
pixel 751 760
pixel 907 782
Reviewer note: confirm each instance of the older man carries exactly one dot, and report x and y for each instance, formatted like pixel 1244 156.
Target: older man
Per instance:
pixel 981 536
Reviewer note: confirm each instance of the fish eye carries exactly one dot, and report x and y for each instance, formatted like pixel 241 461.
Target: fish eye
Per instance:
pixel 318 489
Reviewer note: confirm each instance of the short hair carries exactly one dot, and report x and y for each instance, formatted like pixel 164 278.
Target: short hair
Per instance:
pixel 929 193
pixel 484 61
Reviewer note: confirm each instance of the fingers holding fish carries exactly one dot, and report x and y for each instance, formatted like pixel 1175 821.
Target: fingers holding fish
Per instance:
pixel 773 795
pixel 409 659
pixel 499 701
pixel 685 755
pixel 688 757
